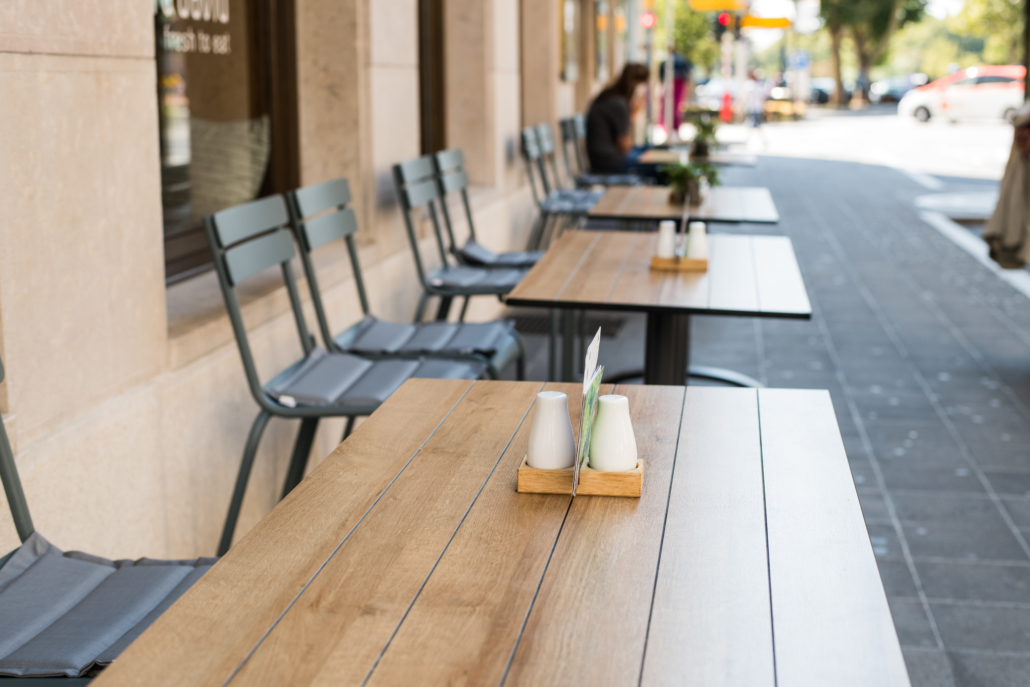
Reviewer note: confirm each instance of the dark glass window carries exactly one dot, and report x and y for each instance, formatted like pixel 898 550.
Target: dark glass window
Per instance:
pixel 216 102
pixel 993 79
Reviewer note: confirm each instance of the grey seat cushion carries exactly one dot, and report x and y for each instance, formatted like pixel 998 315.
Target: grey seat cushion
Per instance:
pixel 464 338
pixel 342 379
pixel 62 613
pixel 476 279
pixel 609 180
pixel 379 337
pixel 478 255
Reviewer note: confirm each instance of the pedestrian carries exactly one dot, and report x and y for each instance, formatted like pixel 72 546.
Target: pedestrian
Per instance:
pixel 609 134
pixel 1007 229
pixel 753 96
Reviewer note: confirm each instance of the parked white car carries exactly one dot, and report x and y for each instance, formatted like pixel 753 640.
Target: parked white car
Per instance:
pixel 985 92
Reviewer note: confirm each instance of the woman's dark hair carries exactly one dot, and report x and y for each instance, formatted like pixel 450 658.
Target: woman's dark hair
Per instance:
pixel 633 74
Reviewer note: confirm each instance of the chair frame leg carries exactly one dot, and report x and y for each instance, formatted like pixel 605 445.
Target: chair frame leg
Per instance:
pixel 249 451
pixel 552 348
pixel 301 451
pixel 445 308
pixel 464 308
pixel 420 311
pixel 348 428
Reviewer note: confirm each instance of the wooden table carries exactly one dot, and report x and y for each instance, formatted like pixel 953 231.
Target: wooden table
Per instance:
pixel 407 558
pixel 723 204
pixel 671 156
pixel 750 276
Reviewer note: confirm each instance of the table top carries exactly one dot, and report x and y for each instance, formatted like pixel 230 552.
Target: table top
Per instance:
pixel 723 204
pixel 756 276
pixel 407 557
pixel 670 156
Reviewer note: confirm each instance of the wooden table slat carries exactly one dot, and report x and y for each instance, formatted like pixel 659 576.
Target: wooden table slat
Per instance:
pixel 637 282
pixel 732 275
pixel 607 261
pixel 552 272
pixel 780 286
pixel 471 611
pixel 722 204
pixel 205 635
pixel 830 615
pixel 711 623
pixel 335 631
pixel 589 622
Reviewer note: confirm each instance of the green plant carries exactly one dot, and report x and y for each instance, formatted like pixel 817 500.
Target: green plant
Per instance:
pixel 681 176
pixel 705 126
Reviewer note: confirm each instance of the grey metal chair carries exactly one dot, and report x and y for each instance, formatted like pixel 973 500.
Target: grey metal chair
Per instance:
pixel 452 178
pixel 68 614
pixel 573 135
pixel 249 239
pixel 415 181
pixel 319 215
pixel 552 180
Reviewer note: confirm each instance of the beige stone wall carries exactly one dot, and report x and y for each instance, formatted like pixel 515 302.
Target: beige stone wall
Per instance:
pixel 126 400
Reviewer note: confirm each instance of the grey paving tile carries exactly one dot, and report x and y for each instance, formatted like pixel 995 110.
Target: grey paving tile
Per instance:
pixel 911 622
pixel 927 668
pixel 995 628
pixel 884 540
pixel 1014 483
pixel 874 509
pixel 898 473
pixel 1019 509
pixel 990 670
pixel 896 577
pixel 974 581
pixel 954 526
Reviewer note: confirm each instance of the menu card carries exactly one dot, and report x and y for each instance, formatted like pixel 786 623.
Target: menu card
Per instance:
pixel 591 389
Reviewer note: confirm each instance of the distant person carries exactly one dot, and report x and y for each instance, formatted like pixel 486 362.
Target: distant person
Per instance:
pixel 754 94
pixel 609 136
pixel 682 67
pixel 1007 231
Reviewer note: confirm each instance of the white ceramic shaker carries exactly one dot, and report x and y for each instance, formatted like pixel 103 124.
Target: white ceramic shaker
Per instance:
pixel 697 248
pixel 551 444
pixel 666 246
pixel 613 448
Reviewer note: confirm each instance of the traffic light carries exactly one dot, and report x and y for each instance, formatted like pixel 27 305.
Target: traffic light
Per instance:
pixel 723 21
pixel 648 20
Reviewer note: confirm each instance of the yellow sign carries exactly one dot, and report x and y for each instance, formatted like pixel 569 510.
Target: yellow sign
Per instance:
pixel 765 22
pixel 718 5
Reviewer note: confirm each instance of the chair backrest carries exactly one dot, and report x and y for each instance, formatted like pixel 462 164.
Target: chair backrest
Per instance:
pixel 532 158
pixel 245 240
pixel 319 214
pixel 12 483
pixel 568 141
pixel 545 139
pixel 452 178
pixel 579 126
pixel 416 184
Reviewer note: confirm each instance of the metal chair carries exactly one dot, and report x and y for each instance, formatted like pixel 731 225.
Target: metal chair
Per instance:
pixel 452 178
pixel 246 240
pixel 556 209
pixel 573 135
pixel 319 214
pixel 585 198
pixel 69 613
pixel 417 187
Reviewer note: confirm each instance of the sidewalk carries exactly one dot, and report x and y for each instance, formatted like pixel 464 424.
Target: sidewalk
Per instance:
pixel 926 354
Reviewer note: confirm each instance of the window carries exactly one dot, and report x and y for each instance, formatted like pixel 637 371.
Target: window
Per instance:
pixel 601 23
pixel 964 82
pixel 569 22
pixel 219 102
pixel 993 79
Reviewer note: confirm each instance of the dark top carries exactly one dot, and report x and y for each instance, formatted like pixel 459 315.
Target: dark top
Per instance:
pixel 607 121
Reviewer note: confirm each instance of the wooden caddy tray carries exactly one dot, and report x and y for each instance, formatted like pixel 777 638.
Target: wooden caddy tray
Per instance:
pixel 679 264
pixel 591 482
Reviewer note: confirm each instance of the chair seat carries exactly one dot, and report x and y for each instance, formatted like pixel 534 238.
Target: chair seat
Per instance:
pixel 567 202
pixel 475 280
pixel 476 254
pixel 377 338
pixel 344 380
pixel 609 180
pixel 61 614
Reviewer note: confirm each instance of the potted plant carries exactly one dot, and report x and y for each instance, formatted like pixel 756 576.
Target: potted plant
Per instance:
pixel 704 137
pixel 685 181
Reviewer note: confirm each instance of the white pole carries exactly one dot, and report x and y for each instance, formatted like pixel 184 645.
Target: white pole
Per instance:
pixel 670 67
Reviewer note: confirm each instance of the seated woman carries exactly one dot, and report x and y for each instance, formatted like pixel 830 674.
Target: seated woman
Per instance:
pixel 609 138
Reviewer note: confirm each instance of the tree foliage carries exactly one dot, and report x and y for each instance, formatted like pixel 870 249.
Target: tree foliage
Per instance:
pixel 693 36
pixel 999 22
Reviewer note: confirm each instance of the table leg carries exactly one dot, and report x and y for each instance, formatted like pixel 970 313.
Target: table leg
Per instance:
pixel 568 345
pixel 667 350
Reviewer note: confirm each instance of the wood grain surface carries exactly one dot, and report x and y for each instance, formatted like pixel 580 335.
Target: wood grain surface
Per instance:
pixel 208 632
pixel 711 622
pixel 407 557
pixel 611 270
pixel 591 482
pixel 830 615
pixel 723 204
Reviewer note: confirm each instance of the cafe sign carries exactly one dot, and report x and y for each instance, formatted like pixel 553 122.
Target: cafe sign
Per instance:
pixel 197 10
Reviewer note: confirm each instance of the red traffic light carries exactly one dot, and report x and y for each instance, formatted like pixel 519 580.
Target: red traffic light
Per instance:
pixel 648 20
pixel 725 18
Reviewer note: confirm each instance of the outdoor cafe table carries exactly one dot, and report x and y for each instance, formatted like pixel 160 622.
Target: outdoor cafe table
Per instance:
pixel 651 203
pixel 670 156
pixel 748 276
pixel 408 558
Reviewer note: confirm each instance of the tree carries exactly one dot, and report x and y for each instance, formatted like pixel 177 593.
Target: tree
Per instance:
pixel 872 23
pixel 1000 22
pixel 837 14
pixel 693 36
